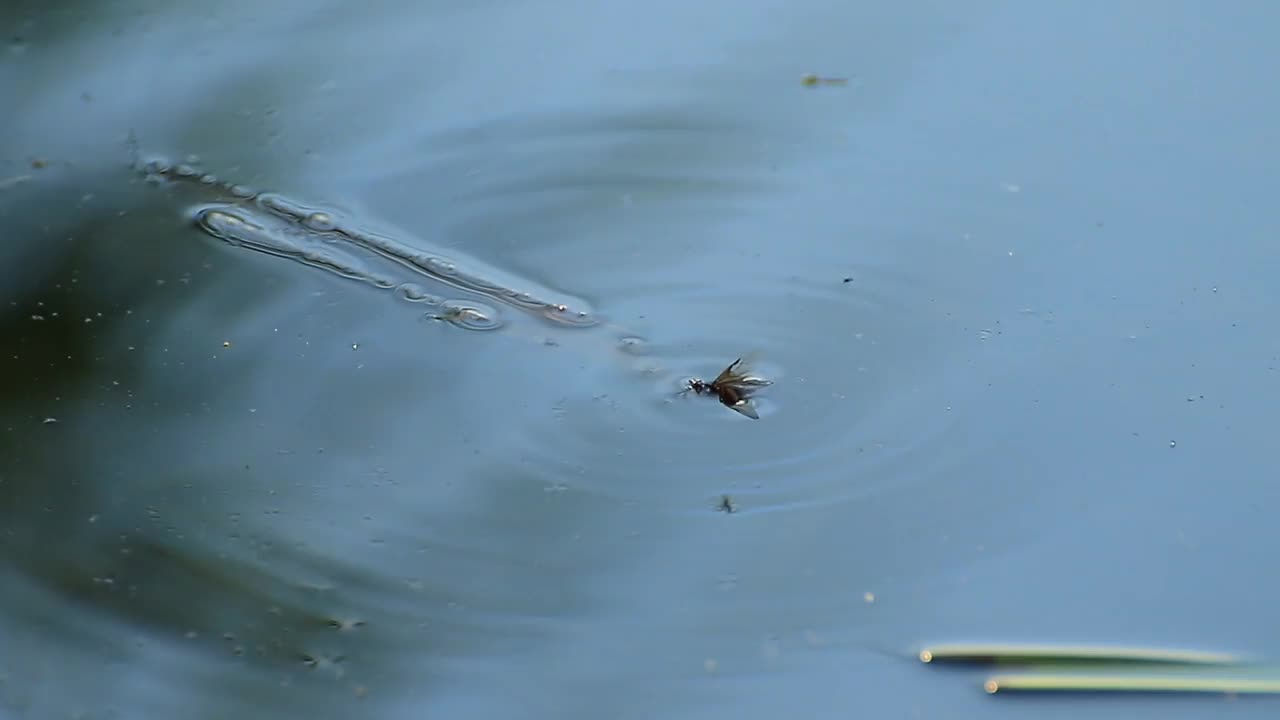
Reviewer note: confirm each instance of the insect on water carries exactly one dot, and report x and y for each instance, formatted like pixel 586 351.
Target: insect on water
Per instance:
pixel 734 387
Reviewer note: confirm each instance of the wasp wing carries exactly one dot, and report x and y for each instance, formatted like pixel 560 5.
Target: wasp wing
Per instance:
pixel 738 369
pixel 728 374
pixel 744 407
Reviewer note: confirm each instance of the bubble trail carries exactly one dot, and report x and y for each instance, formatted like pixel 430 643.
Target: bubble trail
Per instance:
pixel 323 225
pixel 434 265
pixel 235 230
pixel 274 224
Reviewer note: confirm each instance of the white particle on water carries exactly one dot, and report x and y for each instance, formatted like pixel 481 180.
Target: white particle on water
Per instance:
pixel 320 222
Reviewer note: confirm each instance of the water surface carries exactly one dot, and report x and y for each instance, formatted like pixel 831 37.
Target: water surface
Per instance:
pixel 1012 283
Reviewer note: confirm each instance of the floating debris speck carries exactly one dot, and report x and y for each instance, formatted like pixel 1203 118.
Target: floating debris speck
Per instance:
pixel 812 80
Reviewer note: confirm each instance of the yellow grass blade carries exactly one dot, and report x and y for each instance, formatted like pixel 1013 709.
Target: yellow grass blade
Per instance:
pixel 1126 682
pixel 1004 653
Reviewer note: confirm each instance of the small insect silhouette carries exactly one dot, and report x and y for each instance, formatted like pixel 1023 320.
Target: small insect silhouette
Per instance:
pixel 734 387
pixel 727 505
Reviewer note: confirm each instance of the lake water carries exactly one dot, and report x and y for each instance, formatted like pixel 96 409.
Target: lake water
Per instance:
pixel 345 341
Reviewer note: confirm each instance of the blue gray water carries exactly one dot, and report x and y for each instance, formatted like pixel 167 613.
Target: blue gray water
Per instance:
pixel 382 417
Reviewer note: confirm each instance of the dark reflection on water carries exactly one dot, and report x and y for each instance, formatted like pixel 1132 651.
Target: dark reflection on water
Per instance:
pixel 253 462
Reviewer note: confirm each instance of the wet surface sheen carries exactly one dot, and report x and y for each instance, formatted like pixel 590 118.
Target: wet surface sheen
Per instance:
pixel 345 348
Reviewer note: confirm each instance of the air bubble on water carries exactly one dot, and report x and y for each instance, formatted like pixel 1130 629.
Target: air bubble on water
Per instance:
pixel 345 624
pixel 469 315
pixel 280 205
pixel 561 313
pixel 633 345
pixel 320 222
pixel 414 292
pixel 155 166
pixel 441 267
pixel 579 318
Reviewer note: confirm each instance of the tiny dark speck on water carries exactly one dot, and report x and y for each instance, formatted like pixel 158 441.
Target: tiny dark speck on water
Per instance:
pixel 848 280
pixel 726 504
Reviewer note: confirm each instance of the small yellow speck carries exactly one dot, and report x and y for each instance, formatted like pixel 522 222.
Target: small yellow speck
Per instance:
pixel 926 656
pixel 226 343
pixel 812 80
pixel 991 686
pixel 869 597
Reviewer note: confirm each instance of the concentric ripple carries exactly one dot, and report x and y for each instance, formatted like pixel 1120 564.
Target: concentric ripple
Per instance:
pixel 885 423
pixel 882 423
